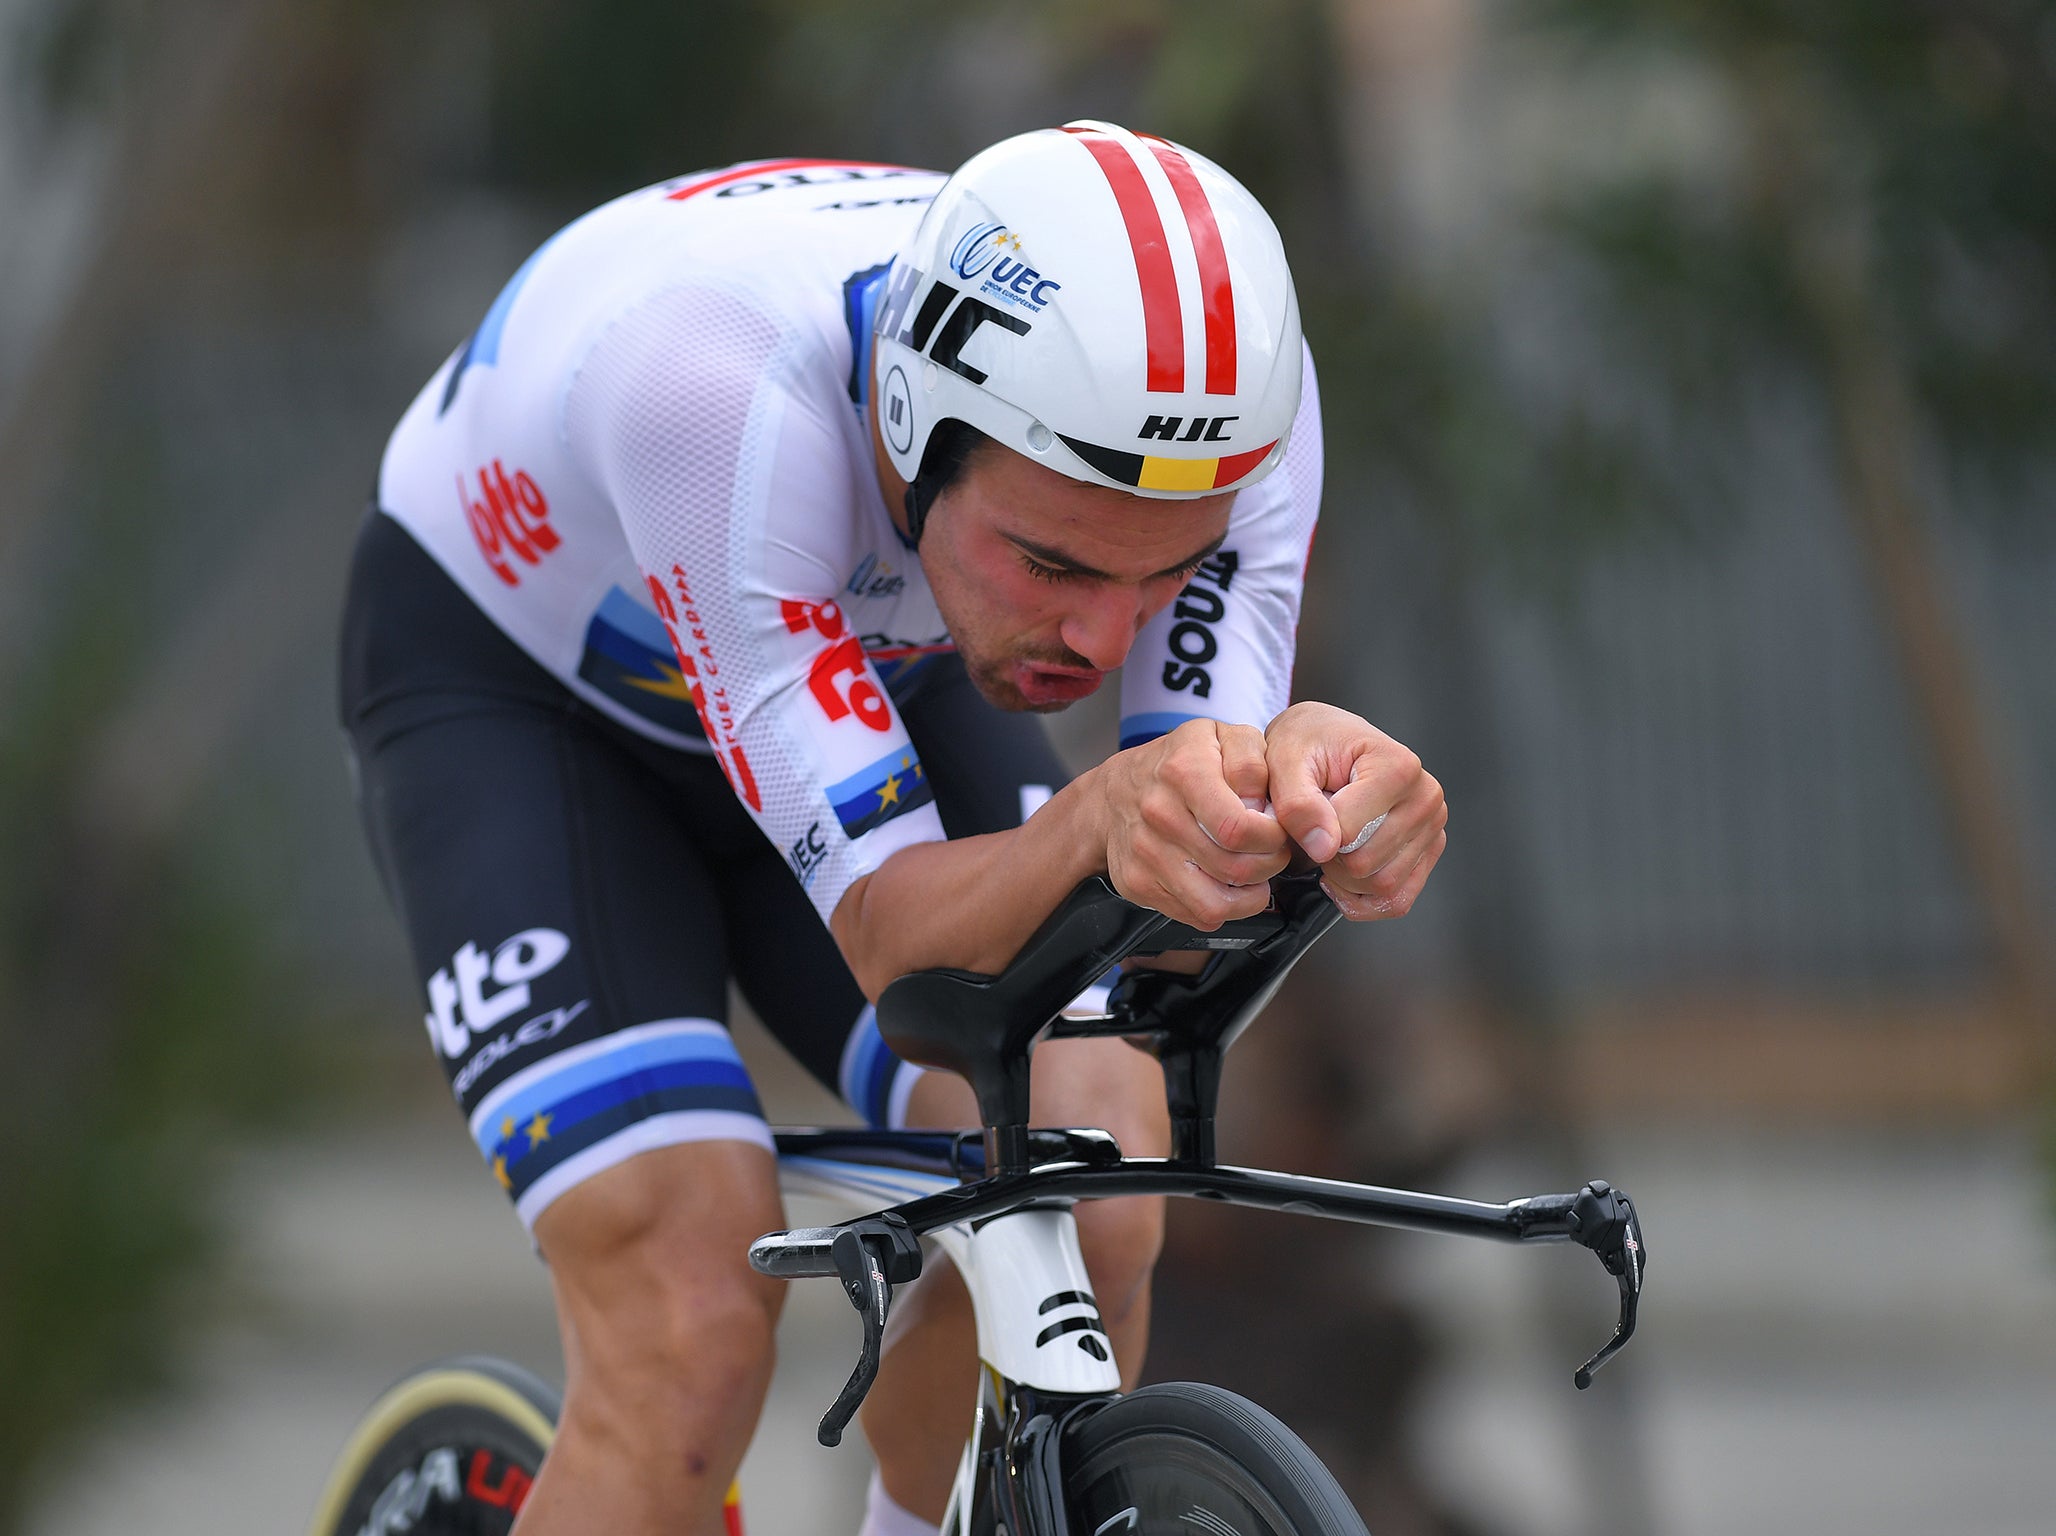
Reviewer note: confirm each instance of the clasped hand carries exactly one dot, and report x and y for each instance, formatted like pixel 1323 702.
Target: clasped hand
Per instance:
pixel 1199 820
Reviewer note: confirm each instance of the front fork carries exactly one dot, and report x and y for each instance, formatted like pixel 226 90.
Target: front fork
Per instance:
pixel 1011 1474
pixel 1044 1357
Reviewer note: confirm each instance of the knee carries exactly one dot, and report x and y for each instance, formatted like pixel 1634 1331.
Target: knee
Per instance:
pixel 1120 1240
pixel 666 1363
pixel 667 1331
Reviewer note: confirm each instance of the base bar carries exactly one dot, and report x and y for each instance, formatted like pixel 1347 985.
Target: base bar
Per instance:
pixel 1536 1218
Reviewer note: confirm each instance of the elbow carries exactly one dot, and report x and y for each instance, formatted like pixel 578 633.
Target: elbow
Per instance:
pixel 852 933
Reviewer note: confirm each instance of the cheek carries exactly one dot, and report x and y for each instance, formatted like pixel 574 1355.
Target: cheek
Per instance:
pixel 991 598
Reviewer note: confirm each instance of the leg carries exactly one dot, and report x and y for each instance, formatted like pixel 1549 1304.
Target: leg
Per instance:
pixel 917 1414
pixel 567 933
pixel 667 1339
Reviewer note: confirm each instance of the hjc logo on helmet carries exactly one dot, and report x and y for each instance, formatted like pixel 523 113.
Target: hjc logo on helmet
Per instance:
pixel 1203 429
pixel 996 249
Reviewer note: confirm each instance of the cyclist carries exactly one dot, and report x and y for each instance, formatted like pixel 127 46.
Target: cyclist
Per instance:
pixel 698 632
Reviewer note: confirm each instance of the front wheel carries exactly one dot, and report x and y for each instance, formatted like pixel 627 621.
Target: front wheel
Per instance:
pixel 1182 1459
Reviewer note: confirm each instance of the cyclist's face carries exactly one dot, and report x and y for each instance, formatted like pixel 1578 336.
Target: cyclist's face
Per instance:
pixel 1045 581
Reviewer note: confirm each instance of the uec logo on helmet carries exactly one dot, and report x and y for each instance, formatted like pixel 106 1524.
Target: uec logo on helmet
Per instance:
pixel 992 252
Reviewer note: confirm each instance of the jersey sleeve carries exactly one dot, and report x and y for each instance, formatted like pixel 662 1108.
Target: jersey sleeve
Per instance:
pixel 1224 649
pixel 692 414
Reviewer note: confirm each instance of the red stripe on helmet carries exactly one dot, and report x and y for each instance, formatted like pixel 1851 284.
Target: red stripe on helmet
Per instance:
pixel 1214 284
pixel 1163 322
pixel 1232 468
pixel 772 168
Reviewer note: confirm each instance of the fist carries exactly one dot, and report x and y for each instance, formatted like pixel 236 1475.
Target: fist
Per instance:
pixel 1360 805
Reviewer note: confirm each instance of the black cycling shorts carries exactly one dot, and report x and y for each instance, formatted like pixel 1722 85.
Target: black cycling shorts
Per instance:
pixel 577 896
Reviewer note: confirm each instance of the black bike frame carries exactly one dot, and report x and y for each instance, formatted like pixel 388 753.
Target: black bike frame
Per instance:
pixel 985 1028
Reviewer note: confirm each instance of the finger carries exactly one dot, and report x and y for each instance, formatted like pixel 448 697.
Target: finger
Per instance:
pixel 1191 896
pixel 1226 818
pixel 1242 763
pixel 1404 899
pixel 1370 909
pixel 1396 840
pixel 1176 832
pixel 1378 782
pixel 1299 799
pixel 1357 842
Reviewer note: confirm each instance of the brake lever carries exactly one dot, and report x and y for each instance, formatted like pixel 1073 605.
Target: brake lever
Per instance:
pixel 869 1257
pixel 1603 1219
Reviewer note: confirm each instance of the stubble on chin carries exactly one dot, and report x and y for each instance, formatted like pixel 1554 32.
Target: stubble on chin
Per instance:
pixel 995 684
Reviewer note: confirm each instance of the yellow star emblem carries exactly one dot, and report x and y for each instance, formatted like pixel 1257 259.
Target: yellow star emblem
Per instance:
pixel 670 684
pixel 539 1129
pixel 500 1173
pixel 889 792
pixel 506 1128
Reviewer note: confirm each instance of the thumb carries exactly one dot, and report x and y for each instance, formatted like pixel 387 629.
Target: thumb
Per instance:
pixel 1300 801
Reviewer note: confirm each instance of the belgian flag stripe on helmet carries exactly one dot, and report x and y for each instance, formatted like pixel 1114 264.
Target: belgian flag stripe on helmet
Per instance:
pixel 1147 472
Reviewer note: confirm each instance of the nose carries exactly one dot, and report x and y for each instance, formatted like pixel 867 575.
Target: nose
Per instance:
pixel 1104 625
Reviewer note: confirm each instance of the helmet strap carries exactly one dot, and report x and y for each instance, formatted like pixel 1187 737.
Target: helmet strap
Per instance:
pixel 920 496
pixel 950 445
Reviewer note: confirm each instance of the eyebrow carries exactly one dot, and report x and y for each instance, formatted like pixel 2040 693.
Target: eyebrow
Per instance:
pixel 1063 562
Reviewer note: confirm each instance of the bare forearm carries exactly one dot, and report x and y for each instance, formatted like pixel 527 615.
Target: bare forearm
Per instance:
pixel 971 902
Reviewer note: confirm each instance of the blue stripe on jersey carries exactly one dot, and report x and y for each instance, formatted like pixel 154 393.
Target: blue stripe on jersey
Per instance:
pixel 629 658
pixel 671 1057
pixel 859 307
pixel 1137 729
pixel 591 1117
pixel 484 346
pixel 877 793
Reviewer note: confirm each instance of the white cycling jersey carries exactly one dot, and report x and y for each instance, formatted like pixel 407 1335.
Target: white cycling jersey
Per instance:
pixel 650 466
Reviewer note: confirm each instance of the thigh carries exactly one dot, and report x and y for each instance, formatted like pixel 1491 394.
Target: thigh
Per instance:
pixel 565 930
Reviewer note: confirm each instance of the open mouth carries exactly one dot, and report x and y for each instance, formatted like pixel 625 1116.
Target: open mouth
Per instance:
pixel 1040 684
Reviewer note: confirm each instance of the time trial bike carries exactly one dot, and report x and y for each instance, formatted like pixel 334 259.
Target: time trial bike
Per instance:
pixel 1054 1447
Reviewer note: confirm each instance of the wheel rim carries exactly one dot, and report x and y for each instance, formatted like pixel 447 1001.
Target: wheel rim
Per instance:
pixel 448 1451
pixel 1169 1485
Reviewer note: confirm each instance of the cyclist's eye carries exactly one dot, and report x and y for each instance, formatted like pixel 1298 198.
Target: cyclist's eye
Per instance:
pixel 1043 572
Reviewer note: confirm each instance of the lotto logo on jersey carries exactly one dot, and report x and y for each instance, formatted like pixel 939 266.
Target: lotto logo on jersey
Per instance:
pixel 461 1007
pixel 874 795
pixel 838 677
pixel 509 518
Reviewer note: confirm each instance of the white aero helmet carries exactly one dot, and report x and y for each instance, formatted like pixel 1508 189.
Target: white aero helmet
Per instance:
pixel 1108 303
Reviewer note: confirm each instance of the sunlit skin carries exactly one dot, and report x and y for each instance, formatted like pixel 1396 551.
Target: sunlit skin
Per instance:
pixel 1045 582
